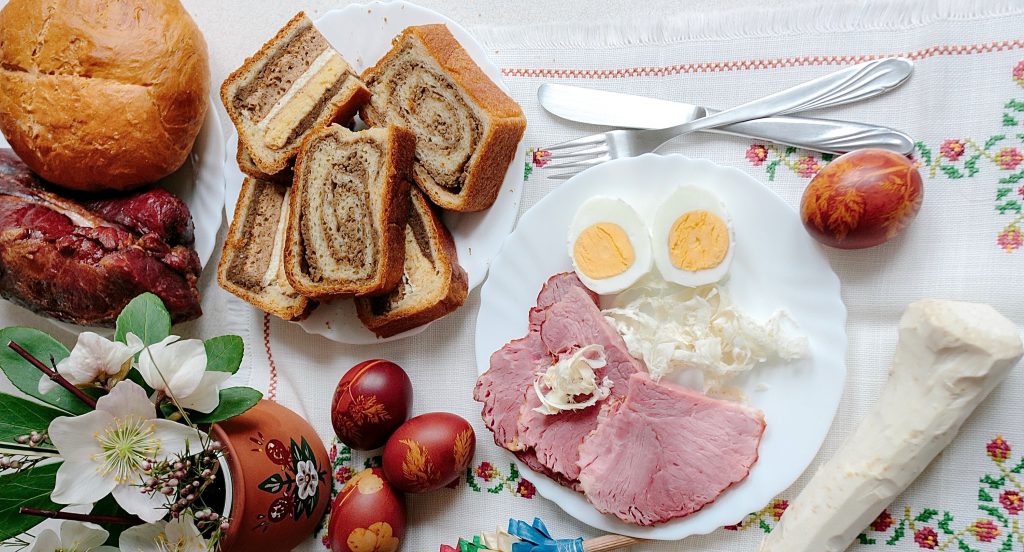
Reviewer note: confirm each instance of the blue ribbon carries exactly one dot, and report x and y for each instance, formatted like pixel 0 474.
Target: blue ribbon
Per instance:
pixel 536 538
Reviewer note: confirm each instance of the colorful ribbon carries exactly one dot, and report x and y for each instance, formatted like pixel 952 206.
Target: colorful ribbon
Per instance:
pixel 536 538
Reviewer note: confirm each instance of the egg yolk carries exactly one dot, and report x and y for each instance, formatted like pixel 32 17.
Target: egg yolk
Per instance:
pixel 603 250
pixel 699 240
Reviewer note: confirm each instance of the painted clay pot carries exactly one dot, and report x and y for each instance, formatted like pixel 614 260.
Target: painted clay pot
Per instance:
pixel 278 477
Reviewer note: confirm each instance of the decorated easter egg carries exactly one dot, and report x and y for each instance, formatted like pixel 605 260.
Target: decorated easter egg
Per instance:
pixel 371 401
pixel 368 515
pixel 429 452
pixel 862 199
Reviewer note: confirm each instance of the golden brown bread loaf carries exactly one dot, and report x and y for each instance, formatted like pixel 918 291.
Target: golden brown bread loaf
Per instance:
pixel 467 128
pixel 96 94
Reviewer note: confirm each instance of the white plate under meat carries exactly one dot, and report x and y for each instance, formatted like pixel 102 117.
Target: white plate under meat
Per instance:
pixel 362 33
pixel 776 265
pixel 199 183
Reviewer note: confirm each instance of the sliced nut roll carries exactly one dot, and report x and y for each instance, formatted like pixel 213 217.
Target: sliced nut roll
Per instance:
pixel 350 200
pixel 296 84
pixel 467 127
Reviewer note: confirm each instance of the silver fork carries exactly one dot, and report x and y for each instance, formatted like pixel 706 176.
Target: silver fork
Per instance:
pixel 848 85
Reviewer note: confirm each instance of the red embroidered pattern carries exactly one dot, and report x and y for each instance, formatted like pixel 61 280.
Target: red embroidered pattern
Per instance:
pixel 272 386
pixel 761 64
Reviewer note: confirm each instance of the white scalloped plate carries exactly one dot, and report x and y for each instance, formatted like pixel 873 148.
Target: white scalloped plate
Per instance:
pixel 362 33
pixel 776 265
pixel 200 184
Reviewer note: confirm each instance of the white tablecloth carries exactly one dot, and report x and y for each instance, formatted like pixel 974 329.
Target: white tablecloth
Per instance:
pixel 965 104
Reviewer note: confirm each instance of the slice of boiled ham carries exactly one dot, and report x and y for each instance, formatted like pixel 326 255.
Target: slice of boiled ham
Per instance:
pixel 572 322
pixel 515 366
pixel 666 452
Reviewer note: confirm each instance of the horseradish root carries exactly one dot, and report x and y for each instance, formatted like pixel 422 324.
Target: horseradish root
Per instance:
pixel 950 355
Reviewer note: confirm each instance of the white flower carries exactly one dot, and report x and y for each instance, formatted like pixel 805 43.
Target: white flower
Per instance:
pixel 306 479
pixel 103 451
pixel 178 369
pixel 94 358
pixel 178 535
pixel 74 536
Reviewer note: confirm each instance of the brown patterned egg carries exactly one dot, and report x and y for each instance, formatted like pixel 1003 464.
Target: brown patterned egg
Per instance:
pixel 368 515
pixel 862 199
pixel 371 401
pixel 429 452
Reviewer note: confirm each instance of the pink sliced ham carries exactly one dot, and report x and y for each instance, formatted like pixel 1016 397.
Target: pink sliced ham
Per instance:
pixel 666 452
pixel 572 322
pixel 515 366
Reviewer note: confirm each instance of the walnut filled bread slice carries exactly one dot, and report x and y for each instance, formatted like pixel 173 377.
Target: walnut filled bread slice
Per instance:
pixel 296 84
pixel 252 265
pixel 467 128
pixel 433 284
pixel 350 200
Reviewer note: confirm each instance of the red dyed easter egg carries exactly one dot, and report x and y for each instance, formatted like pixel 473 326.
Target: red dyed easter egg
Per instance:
pixel 862 199
pixel 371 401
pixel 367 515
pixel 429 452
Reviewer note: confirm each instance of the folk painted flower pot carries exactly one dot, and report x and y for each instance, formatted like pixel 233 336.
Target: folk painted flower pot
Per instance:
pixel 278 478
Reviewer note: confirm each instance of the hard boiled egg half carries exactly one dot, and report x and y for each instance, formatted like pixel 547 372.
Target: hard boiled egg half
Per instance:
pixel 610 246
pixel 692 238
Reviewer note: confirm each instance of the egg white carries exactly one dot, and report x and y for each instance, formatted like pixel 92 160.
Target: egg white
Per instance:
pixel 680 202
pixel 615 211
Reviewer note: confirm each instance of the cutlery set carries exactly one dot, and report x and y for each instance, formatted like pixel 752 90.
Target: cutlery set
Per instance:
pixel 650 123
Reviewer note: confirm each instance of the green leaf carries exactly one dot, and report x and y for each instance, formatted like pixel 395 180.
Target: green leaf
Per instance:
pixel 764 526
pixel 31 489
pixel 947 518
pixel 790 150
pixel 897 534
pixel 925 151
pixel 26 377
pixel 994 512
pixel 22 417
pixel 1018 468
pixel 1013 178
pixel 1015 105
pixel 233 401
pixel 983 495
pixel 926 515
pixel 972 165
pixel 1012 205
pixel 771 168
pixel 224 353
pixel 993 482
pixel 109 507
pixel 951 171
pixel 374 462
pixel 827 157
pixel 1003 192
pixel 993 140
pixel 863 539
pixel 272 484
pixel 1020 137
pixel 1007 544
pixel 146 317
pixel 1009 121
pixel 964 546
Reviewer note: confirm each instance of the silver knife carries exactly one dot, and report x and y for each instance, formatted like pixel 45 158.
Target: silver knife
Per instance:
pixel 598 107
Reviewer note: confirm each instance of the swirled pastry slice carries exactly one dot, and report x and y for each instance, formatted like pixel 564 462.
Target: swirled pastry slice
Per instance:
pixel 467 128
pixel 297 83
pixel 350 200
pixel 433 284
pixel 252 265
